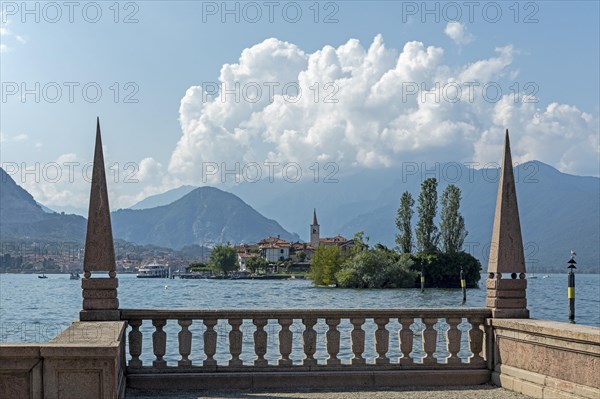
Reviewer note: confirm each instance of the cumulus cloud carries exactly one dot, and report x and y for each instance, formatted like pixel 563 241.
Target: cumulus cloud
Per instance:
pixel 559 134
pixel 371 107
pixel 457 31
pixel 149 168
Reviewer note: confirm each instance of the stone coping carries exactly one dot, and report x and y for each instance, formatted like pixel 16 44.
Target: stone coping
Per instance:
pixel 19 349
pixel 146 314
pixel 82 338
pixel 567 331
pixel 91 333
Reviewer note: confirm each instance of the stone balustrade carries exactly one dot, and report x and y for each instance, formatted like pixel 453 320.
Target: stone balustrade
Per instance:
pixel 304 339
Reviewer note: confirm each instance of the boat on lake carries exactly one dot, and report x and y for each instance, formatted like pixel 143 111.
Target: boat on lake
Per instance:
pixel 42 276
pixel 74 276
pixel 153 270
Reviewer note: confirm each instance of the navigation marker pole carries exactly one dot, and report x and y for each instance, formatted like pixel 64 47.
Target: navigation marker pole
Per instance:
pixel 463 285
pixel 571 287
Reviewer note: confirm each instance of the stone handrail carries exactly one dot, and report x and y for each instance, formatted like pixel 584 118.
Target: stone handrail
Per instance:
pixel 427 338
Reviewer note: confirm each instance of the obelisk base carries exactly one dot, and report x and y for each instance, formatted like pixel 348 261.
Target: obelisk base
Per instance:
pixel 506 298
pixel 100 301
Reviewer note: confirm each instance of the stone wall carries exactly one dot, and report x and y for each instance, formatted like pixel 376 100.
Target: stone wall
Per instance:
pixel 85 361
pixel 546 359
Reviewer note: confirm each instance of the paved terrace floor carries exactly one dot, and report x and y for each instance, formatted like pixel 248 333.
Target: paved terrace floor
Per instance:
pixel 469 392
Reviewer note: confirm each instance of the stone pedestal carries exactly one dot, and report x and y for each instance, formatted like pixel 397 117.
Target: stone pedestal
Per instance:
pixel 100 302
pixel 507 297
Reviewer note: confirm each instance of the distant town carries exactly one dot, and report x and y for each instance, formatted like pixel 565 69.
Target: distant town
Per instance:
pixel 23 256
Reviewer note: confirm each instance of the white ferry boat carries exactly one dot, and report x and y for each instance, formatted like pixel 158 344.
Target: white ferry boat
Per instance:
pixel 153 270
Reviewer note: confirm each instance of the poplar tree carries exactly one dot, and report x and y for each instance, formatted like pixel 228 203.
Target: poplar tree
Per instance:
pixel 452 227
pixel 427 233
pixel 404 238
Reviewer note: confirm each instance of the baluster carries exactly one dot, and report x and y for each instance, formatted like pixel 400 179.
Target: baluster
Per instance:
pixel 333 341
pixel 453 340
pixel 429 340
pixel 309 341
pixel 260 342
pixel 210 342
pixel 185 343
pixel 382 340
pixel 159 342
pixel 358 340
pixel 135 343
pixel 235 342
pixel 406 340
pixel 476 340
pixel 285 342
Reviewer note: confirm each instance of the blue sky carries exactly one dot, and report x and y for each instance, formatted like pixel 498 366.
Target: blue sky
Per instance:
pixel 552 47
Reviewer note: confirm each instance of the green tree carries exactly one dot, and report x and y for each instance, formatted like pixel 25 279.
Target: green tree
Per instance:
pixel 223 258
pixel 442 270
pixel 404 238
pixel 452 227
pixel 325 263
pixel 360 243
pixel 378 267
pixel 427 232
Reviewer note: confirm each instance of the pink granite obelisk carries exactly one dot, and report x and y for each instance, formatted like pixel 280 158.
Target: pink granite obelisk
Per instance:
pixel 506 284
pixel 100 300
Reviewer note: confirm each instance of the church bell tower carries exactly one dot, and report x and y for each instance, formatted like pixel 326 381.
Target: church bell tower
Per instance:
pixel 314 231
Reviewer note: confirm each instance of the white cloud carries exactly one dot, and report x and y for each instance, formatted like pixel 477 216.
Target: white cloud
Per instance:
pixel 149 169
pixel 375 122
pixel 8 35
pixel 66 180
pixel 458 33
pixel 559 134
pixel 19 138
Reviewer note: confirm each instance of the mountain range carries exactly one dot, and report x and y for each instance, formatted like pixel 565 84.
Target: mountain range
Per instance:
pixel 558 211
pixel 165 198
pixel 22 217
pixel 204 216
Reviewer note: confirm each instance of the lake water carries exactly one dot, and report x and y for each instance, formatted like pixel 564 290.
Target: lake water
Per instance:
pixel 36 310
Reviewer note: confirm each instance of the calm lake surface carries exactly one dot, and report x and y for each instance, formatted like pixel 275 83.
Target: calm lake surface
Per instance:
pixel 36 310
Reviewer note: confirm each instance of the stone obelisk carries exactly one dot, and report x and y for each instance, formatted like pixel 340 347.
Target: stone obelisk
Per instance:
pixel 99 294
pixel 506 284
